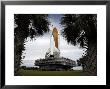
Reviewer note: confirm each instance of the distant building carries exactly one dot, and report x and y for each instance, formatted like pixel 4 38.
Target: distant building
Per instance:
pixel 52 60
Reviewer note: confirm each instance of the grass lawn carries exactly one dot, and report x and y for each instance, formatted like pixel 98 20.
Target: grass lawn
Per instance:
pixel 52 73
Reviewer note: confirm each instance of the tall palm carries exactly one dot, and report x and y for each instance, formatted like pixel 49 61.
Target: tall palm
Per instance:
pixel 26 25
pixel 82 29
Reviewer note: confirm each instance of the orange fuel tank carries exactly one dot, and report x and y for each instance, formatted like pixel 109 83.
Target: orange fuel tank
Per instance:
pixel 55 35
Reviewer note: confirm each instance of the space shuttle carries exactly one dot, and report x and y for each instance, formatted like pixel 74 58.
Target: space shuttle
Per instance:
pixel 54 43
pixel 54 38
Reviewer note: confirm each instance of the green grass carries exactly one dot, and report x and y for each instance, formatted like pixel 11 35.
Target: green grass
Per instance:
pixel 52 73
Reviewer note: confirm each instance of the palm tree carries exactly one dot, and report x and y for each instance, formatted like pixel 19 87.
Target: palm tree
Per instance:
pixel 82 29
pixel 26 25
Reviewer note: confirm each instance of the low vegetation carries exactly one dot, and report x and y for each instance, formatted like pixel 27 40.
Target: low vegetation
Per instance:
pixel 52 73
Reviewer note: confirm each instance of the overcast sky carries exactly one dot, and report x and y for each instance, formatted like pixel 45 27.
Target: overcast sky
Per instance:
pixel 37 48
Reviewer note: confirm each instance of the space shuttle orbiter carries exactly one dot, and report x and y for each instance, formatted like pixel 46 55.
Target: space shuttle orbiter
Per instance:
pixel 54 43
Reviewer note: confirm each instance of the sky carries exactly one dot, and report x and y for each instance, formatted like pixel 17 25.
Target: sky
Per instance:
pixel 36 49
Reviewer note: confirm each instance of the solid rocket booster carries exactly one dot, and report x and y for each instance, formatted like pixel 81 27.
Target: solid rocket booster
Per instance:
pixel 51 43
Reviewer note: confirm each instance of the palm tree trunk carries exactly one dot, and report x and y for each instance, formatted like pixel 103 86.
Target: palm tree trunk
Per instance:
pixel 90 60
